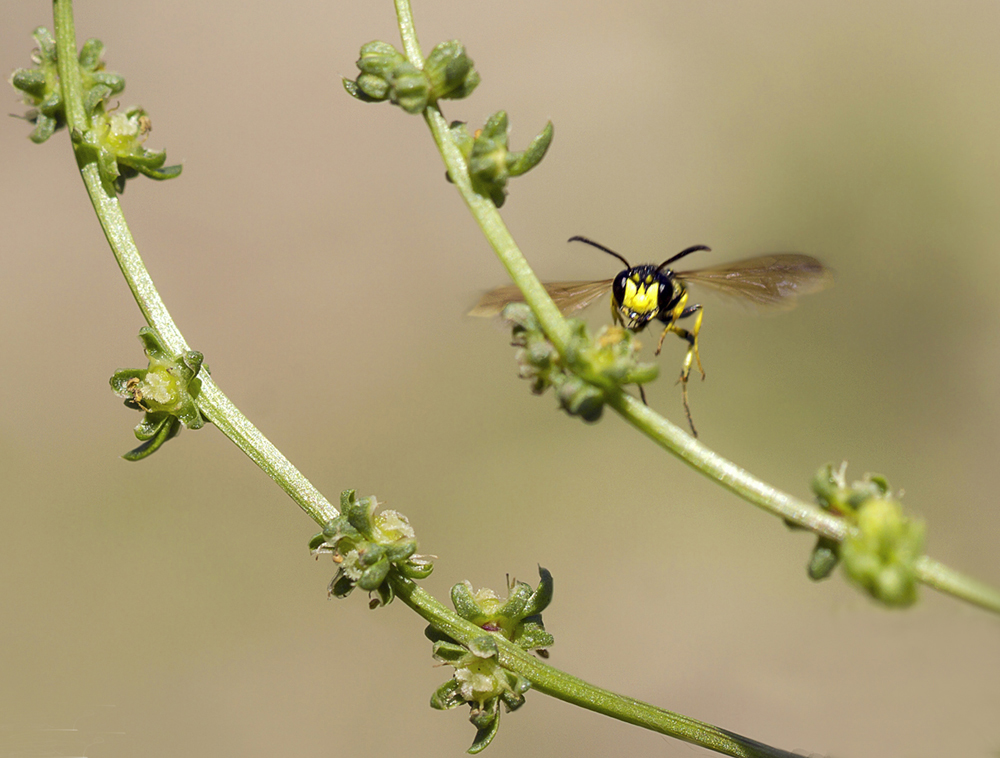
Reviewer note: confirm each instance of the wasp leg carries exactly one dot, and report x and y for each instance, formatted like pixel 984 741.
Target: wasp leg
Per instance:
pixel 692 356
pixel 616 315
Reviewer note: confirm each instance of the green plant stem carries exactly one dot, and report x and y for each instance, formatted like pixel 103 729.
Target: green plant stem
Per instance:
pixel 558 684
pixel 738 481
pixel 665 434
pixel 952 582
pixel 489 220
pixel 212 401
pixel 411 45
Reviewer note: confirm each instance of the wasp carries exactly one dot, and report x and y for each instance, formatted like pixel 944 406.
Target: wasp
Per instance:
pixel 648 292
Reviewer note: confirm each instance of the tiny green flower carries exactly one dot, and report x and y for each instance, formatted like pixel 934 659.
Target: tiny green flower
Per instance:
pixel 386 75
pixel 40 88
pixel 114 140
pixel 117 141
pixel 450 72
pixel 479 680
pixel 366 546
pixel 881 554
pixel 166 391
pixel 592 367
pixel 882 557
pixel 489 160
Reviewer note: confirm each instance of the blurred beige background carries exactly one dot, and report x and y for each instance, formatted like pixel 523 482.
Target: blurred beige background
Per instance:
pixel 314 253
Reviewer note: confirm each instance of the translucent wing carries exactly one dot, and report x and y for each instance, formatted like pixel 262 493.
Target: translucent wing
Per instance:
pixel 569 296
pixel 769 281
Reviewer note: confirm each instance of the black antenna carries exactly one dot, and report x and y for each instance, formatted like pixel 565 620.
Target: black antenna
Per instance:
pixel 600 247
pixel 682 253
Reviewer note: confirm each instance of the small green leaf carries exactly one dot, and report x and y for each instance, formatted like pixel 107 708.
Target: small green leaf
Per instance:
pixel 90 54
pixel 824 559
pixel 166 431
pixel 485 735
pixel 31 81
pixel 114 82
pixel 447 696
pixel 532 156
pixel 45 127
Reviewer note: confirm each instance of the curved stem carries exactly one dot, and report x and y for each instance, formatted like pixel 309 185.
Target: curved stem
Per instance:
pixel 737 480
pixel 212 401
pixel 665 434
pixel 568 688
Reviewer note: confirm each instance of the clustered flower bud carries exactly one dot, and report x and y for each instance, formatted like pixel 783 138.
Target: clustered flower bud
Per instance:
pixel 386 75
pixel 366 545
pixel 113 139
pixel 490 162
pixel 592 367
pixel 479 680
pixel 881 553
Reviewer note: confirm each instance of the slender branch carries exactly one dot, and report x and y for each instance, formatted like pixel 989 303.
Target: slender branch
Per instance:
pixel 737 480
pixel 568 688
pixel 665 434
pixel 944 579
pixel 409 33
pixel 211 400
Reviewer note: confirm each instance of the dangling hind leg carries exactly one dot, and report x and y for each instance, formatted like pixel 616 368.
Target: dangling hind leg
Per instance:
pixel 692 356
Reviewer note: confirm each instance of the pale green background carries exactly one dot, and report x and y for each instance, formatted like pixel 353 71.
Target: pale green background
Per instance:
pixel 313 251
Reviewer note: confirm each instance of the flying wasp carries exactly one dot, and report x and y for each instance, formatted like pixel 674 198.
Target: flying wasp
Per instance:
pixel 640 294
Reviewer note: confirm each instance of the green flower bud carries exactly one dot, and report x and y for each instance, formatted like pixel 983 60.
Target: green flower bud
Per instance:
pixel 479 680
pixel 40 88
pixel 115 140
pixel 118 140
pixel 386 74
pixel 372 577
pixel 882 557
pixel 450 71
pixel 828 485
pixel 578 398
pixel 824 559
pixel 409 88
pixel 509 616
pixel 882 553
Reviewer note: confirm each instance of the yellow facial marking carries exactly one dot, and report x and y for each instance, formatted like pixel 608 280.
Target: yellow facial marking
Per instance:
pixel 641 298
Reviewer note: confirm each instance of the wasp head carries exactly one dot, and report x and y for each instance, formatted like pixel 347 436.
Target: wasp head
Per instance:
pixel 639 294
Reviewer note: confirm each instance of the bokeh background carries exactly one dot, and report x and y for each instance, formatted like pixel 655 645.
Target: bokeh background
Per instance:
pixel 313 251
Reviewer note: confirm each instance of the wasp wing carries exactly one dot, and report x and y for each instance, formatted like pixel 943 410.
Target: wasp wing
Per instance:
pixel 568 296
pixel 768 281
